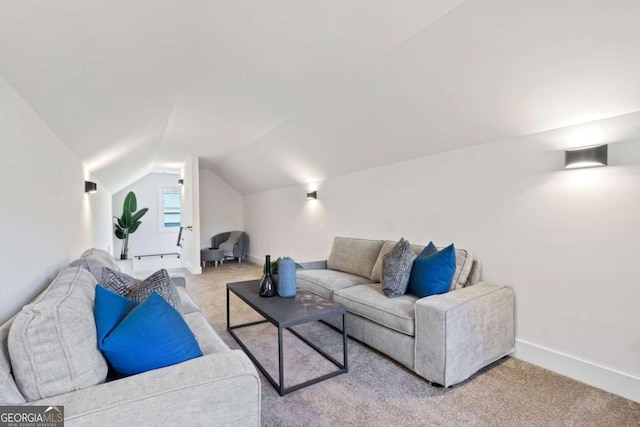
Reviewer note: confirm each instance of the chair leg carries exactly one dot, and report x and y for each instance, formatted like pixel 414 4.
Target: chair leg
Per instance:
pixel 239 260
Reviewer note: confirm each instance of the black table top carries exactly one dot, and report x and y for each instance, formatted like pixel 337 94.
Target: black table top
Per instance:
pixel 285 312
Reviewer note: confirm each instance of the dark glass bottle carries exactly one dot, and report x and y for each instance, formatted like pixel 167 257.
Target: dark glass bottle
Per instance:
pixel 267 286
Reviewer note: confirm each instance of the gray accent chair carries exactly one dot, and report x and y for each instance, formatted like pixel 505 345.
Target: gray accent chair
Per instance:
pixel 220 388
pixel 240 248
pixel 443 338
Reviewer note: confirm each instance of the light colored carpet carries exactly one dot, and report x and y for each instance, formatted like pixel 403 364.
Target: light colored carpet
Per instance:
pixel 379 392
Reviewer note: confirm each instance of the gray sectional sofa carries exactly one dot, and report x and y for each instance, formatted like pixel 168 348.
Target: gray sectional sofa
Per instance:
pixel 443 338
pixel 220 388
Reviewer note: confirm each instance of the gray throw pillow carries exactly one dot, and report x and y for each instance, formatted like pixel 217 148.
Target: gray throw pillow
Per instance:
pixel 158 282
pixel 396 269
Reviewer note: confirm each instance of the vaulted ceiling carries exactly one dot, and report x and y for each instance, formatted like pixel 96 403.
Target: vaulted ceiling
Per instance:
pixel 278 92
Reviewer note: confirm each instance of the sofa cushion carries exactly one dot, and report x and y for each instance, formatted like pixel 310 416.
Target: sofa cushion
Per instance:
pixel 432 271
pixel 376 273
pixel 96 251
pixel 138 337
pixel 208 340
pixel 94 261
pixel 326 282
pixel 370 302
pixel 53 342
pixel 355 256
pixel 9 393
pixel 396 269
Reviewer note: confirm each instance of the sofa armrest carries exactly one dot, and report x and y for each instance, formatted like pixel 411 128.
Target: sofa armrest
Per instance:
pixel 216 389
pixel 314 265
pixel 459 332
pixel 219 238
pixel 240 247
pixel 179 281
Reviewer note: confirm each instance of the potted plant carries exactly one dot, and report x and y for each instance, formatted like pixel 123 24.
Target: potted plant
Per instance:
pixel 129 222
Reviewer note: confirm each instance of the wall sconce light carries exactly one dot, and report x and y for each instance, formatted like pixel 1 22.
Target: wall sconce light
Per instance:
pixel 312 196
pixel 585 157
pixel 90 187
pixel 181 181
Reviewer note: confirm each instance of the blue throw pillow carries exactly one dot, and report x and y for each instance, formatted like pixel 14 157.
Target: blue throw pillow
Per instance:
pixel 432 271
pixel 138 337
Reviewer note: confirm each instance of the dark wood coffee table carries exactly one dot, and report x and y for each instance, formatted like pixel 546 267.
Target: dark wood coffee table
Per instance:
pixel 284 313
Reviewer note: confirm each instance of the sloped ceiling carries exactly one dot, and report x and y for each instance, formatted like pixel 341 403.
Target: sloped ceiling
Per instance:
pixel 279 92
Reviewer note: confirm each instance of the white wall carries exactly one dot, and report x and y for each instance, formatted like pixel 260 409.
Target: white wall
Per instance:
pixel 97 216
pixel 567 241
pixel 148 238
pixel 220 207
pixel 47 218
pixel 191 215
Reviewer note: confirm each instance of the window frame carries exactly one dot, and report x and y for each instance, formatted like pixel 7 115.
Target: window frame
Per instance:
pixel 161 207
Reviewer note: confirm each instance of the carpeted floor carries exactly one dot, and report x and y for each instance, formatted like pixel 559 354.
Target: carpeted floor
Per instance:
pixel 379 392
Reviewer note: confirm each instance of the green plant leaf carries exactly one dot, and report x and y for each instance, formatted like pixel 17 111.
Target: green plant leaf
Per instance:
pixel 136 217
pixel 134 227
pixel 127 221
pixel 130 202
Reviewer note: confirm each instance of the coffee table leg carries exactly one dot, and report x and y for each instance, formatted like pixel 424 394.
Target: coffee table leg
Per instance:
pixel 228 324
pixel 280 363
pixel 344 343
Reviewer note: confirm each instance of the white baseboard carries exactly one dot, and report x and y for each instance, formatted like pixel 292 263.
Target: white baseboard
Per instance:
pixel 615 382
pixel 191 268
pixel 256 260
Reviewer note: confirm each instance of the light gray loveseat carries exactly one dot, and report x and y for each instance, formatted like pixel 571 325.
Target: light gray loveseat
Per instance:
pixel 220 388
pixel 443 338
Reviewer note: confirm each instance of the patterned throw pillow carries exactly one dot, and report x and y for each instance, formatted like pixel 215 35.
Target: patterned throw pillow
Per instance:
pixel 158 282
pixel 117 281
pixel 396 269
pixel 139 290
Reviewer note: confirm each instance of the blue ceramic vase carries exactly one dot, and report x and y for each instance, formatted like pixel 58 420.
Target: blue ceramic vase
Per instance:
pixel 287 278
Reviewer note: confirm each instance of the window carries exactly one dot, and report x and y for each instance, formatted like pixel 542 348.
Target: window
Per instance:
pixel 170 207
